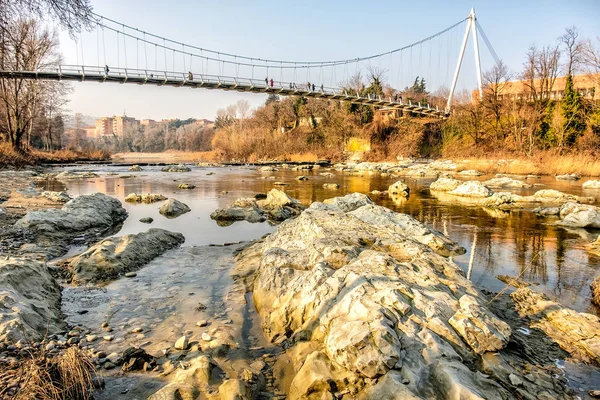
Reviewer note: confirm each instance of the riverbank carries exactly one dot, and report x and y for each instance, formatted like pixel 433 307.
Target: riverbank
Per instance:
pixel 11 159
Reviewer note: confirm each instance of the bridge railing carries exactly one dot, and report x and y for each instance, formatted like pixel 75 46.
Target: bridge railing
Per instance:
pixel 215 81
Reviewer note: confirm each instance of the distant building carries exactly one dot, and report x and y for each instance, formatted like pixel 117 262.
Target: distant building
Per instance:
pixel 148 122
pixel 122 124
pixel 104 127
pixel 90 132
pixel 588 86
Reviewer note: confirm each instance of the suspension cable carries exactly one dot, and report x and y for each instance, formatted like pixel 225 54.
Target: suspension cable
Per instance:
pixel 488 43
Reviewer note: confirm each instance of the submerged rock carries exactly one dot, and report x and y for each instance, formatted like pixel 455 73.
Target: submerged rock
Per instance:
pixel 472 189
pixel 592 184
pixel 76 175
pixel 377 305
pixel 331 186
pixel 135 168
pixel 176 168
pixel 579 216
pixel 595 286
pixel 185 186
pixel 399 188
pixel 276 206
pixel 147 220
pixel 173 208
pixel 506 183
pixel 30 301
pixel 568 177
pixel 144 198
pixel 445 184
pixel 114 256
pixel 470 172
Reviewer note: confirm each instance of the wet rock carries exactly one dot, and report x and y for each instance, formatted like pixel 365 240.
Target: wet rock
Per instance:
pixel 568 177
pixel 30 301
pixel 399 188
pixel 176 168
pixel 130 275
pixel 445 184
pixel 206 337
pixel 268 168
pixel 346 203
pixel 506 183
pixel 147 220
pixel 108 338
pixel 135 358
pixel 553 196
pixel 114 256
pixel 302 178
pixel 594 393
pixel 390 387
pixel 182 343
pixel 173 208
pixel 96 211
pixel 579 215
pixel 276 206
pixel 202 323
pixel 187 383
pixel 594 247
pixel 546 211
pixel 591 184
pixel 135 168
pixel 331 186
pixel 595 286
pixel 147 198
pixel 185 186
pixel 576 333
pixel 59 197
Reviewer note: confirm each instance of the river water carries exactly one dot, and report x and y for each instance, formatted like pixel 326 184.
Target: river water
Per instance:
pixel 514 243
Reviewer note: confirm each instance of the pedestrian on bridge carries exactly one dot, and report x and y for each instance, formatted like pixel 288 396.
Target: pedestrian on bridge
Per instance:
pixel 308 87
pixel 106 70
pixel 322 89
pixel 313 87
pixel 267 81
pixel 290 85
pixel 271 82
pixel 190 76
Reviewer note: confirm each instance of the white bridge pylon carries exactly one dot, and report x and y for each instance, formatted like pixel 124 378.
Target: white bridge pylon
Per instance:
pixel 471 27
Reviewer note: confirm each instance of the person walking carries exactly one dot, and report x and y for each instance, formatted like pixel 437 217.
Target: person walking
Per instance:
pixel 322 89
pixel 190 76
pixel 106 70
pixel 308 86
pixel 271 82
pixel 313 87
pixel 267 81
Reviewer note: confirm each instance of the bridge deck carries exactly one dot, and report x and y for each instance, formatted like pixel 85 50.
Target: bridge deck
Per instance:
pixel 161 78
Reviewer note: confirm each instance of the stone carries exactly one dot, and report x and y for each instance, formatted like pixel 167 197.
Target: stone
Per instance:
pixel 591 184
pixel 594 393
pixel 234 389
pixel 109 365
pixel 117 255
pixel 346 203
pixel 185 186
pixel 595 286
pixel 568 177
pixel 576 215
pixel 75 175
pixel 515 380
pixel 130 275
pixel 482 330
pixel 108 338
pixel 202 323
pixel 445 184
pixel 472 189
pixel 470 172
pixel 182 343
pixel 135 168
pixel 176 168
pixel 91 338
pixel 147 220
pixel 59 197
pixel 206 337
pixel 506 183
pixel 268 168
pixel 399 188
pixel 302 178
pixel 136 359
pixel 30 301
pixel 276 206
pixel 173 208
pixel 147 198
pixel 331 186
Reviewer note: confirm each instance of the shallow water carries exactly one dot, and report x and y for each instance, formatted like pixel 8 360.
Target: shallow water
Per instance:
pixel 519 242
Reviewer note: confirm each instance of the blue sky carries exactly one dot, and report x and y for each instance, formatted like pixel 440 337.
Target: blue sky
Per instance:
pixel 318 30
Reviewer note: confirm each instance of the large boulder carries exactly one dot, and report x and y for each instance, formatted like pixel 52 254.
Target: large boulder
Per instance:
pixel 144 198
pixel 173 208
pixel 373 298
pixel 95 211
pixel 29 301
pixel 576 215
pixel 115 256
pixel 591 184
pixel 472 189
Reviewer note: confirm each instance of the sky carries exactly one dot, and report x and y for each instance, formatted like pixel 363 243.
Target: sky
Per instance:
pixel 314 31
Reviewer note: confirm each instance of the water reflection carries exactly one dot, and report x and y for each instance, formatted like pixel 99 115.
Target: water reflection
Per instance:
pixel 516 243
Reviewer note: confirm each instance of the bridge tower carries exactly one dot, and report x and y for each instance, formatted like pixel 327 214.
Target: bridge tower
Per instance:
pixel 471 27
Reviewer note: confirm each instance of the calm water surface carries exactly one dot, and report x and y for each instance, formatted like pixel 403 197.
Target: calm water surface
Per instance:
pixel 497 243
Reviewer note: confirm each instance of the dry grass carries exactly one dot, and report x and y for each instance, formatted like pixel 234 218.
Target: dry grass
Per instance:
pixel 65 376
pixel 544 163
pixel 10 157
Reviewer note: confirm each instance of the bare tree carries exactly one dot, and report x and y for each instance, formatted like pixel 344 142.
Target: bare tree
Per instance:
pixel 73 15
pixel 496 80
pixel 540 71
pixel 30 47
pixel 574 48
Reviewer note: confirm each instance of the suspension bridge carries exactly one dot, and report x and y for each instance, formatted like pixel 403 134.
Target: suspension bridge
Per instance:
pixel 118 53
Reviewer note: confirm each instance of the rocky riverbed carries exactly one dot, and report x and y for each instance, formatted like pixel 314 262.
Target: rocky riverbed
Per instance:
pixel 343 299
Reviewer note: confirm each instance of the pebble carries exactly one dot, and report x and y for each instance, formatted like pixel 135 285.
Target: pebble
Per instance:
pixel 182 343
pixel 137 329
pixel 73 340
pixel 108 338
pixel 104 324
pixel 206 337
pixel 50 346
pixel 91 338
pixel 109 365
pixel 202 323
pixel 130 275
pixel 515 380
pixel 73 333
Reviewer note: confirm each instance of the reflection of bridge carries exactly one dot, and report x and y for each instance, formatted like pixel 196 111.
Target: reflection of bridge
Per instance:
pixel 224 71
